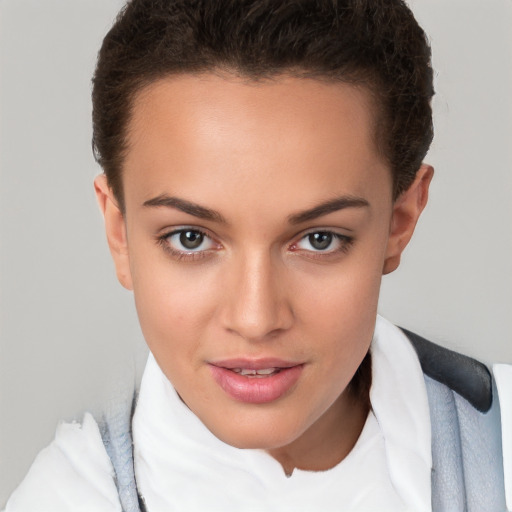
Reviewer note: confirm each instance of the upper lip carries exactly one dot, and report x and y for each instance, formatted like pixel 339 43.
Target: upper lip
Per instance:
pixel 254 364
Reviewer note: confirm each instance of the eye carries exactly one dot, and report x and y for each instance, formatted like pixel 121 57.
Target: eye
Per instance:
pixel 318 241
pixel 187 242
pixel 323 242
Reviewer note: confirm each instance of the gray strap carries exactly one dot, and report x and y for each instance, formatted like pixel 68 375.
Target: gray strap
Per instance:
pixel 482 456
pixel 468 377
pixel 448 489
pixel 115 428
pixel 467 474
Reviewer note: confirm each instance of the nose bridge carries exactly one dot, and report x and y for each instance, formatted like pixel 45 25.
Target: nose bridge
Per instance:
pixel 257 305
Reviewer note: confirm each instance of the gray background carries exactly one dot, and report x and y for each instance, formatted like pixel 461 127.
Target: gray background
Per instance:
pixel 69 331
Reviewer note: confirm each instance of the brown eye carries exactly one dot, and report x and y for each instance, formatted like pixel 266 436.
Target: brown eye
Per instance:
pixel 320 241
pixel 191 239
pixel 323 243
pixel 188 241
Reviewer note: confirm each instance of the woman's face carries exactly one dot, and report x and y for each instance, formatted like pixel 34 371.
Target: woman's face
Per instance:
pixel 256 231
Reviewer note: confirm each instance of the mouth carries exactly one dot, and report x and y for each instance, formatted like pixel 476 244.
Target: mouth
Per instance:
pixel 256 374
pixel 256 382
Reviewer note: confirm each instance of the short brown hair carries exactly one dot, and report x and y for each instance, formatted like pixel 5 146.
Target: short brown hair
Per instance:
pixel 375 43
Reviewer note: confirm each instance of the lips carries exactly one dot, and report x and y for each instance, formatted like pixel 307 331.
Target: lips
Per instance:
pixel 256 381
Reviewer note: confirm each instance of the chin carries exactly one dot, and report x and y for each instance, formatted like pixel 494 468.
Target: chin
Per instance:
pixel 262 435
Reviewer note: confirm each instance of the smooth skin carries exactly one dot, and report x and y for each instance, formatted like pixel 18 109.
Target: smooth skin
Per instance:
pixel 228 255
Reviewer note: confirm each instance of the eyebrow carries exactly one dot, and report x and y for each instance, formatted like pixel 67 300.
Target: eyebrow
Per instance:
pixel 185 206
pixel 333 205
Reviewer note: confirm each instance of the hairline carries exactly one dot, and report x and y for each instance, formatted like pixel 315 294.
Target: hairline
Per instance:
pixel 226 72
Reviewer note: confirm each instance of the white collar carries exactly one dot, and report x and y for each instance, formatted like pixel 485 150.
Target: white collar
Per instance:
pixel 399 402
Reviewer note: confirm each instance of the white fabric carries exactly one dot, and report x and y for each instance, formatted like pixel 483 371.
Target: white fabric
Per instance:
pixel 503 376
pixel 180 465
pixel 73 474
pixel 399 400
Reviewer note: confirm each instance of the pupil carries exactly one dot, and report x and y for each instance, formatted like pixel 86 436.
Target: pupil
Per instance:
pixel 320 241
pixel 191 239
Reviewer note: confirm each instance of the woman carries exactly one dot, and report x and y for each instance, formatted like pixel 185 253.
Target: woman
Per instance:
pixel 263 170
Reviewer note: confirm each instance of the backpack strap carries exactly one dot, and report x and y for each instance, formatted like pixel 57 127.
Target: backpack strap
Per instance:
pixel 466 376
pixel 116 431
pixel 467 460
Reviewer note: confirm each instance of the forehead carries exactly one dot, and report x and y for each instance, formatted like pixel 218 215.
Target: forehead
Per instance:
pixel 189 99
pixel 200 132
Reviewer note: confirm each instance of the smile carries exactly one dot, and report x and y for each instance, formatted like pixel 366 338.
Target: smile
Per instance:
pixel 256 382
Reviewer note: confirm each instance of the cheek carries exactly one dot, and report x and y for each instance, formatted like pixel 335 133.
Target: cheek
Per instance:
pixel 343 293
pixel 345 318
pixel 174 305
pixel 341 307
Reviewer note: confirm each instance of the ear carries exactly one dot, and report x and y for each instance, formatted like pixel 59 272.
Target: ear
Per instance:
pixel 406 212
pixel 115 227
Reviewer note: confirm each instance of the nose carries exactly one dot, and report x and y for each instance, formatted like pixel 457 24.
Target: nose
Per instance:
pixel 256 302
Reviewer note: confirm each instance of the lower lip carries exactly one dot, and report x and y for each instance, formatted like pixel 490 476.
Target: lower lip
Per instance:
pixel 256 390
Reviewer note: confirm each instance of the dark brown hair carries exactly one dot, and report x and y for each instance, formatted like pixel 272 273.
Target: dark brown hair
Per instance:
pixel 374 43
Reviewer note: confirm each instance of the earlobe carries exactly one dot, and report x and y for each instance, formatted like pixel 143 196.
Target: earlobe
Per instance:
pixel 406 212
pixel 115 228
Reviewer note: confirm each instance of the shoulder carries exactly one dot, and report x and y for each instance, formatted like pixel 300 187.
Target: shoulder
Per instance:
pixel 466 376
pixel 73 473
pixel 468 464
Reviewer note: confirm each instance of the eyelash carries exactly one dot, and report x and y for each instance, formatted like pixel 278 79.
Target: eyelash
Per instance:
pixel 345 243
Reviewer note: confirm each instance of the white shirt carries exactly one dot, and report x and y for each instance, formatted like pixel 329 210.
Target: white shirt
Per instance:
pixel 181 465
pixel 74 473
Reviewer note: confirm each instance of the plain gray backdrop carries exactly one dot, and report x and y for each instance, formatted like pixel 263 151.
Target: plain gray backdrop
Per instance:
pixel 68 329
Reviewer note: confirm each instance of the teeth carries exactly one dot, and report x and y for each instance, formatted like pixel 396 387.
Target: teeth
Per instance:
pixel 266 371
pixel 253 373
